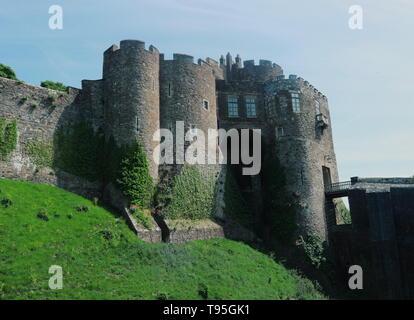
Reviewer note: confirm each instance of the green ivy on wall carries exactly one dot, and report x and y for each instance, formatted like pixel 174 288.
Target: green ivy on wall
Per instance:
pixel 41 153
pixel 84 152
pixel 279 205
pixel 193 195
pixel 235 205
pixel 8 137
pixel 79 150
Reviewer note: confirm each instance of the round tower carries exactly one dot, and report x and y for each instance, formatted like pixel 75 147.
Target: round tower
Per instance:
pixel 188 93
pixel 298 118
pixel 131 95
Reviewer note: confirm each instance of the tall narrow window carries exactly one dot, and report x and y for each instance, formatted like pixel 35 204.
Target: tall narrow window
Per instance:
pixel 283 101
pixel 251 107
pixel 205 104
pixel 137 123
pixel 169 89
pixel 317 107
pixel 280 132
pixel 295 102
pixel 233 108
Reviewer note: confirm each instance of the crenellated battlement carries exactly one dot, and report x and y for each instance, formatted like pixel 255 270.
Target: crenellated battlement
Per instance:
pixel 136 45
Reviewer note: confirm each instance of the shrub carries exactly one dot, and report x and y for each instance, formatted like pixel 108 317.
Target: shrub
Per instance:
pixel 7 72
pixel 134 179
pixel 6 202
pixel 203 291
pixel 43 215
pixel 54 85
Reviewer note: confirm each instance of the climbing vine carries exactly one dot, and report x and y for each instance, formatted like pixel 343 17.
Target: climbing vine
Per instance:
pixel 41 153
pixel 235 205
pixel 279 205
pixel 192 195
pixel 8 137
pixel 84 152
pixel 79 150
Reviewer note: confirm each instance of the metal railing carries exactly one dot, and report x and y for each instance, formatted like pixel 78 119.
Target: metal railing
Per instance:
pixel 338 186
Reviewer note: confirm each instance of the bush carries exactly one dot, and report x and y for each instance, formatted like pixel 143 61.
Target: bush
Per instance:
pixel 43 215
pixel 134 179
pixel 54 85
pixel 7 72
pixel 6 202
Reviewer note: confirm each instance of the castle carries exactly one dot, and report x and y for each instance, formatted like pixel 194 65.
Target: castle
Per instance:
pixel 141 91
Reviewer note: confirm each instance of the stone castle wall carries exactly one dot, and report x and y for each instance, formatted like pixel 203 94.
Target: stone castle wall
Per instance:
pixel 38 117
pixel 303 147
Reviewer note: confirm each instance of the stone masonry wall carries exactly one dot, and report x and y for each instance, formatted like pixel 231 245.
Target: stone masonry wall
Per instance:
pixel 303 148
pixel 38 117
pixel 131 95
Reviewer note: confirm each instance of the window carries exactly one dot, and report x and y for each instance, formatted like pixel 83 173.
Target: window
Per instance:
pixel 137 123
pixel 233 108
pixel 251 107
pixel 295 102
pixel 280 132
pixel 283 101
pixel 169 89
pixel 205 104
pixel 317 108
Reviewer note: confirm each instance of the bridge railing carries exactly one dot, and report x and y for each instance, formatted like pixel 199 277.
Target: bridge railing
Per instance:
pixel 338 186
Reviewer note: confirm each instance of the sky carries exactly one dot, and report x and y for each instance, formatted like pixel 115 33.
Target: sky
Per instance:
pixel 367 74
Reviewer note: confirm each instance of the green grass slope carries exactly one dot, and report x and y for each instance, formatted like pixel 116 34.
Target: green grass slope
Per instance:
pixel 102 259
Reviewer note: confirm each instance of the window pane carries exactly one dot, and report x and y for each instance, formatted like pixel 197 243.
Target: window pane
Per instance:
pixel 233 108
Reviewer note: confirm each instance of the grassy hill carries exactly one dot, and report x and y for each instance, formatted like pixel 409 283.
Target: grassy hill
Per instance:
pixel 101 258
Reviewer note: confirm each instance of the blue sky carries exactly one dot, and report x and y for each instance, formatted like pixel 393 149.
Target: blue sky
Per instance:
pixel 366 74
